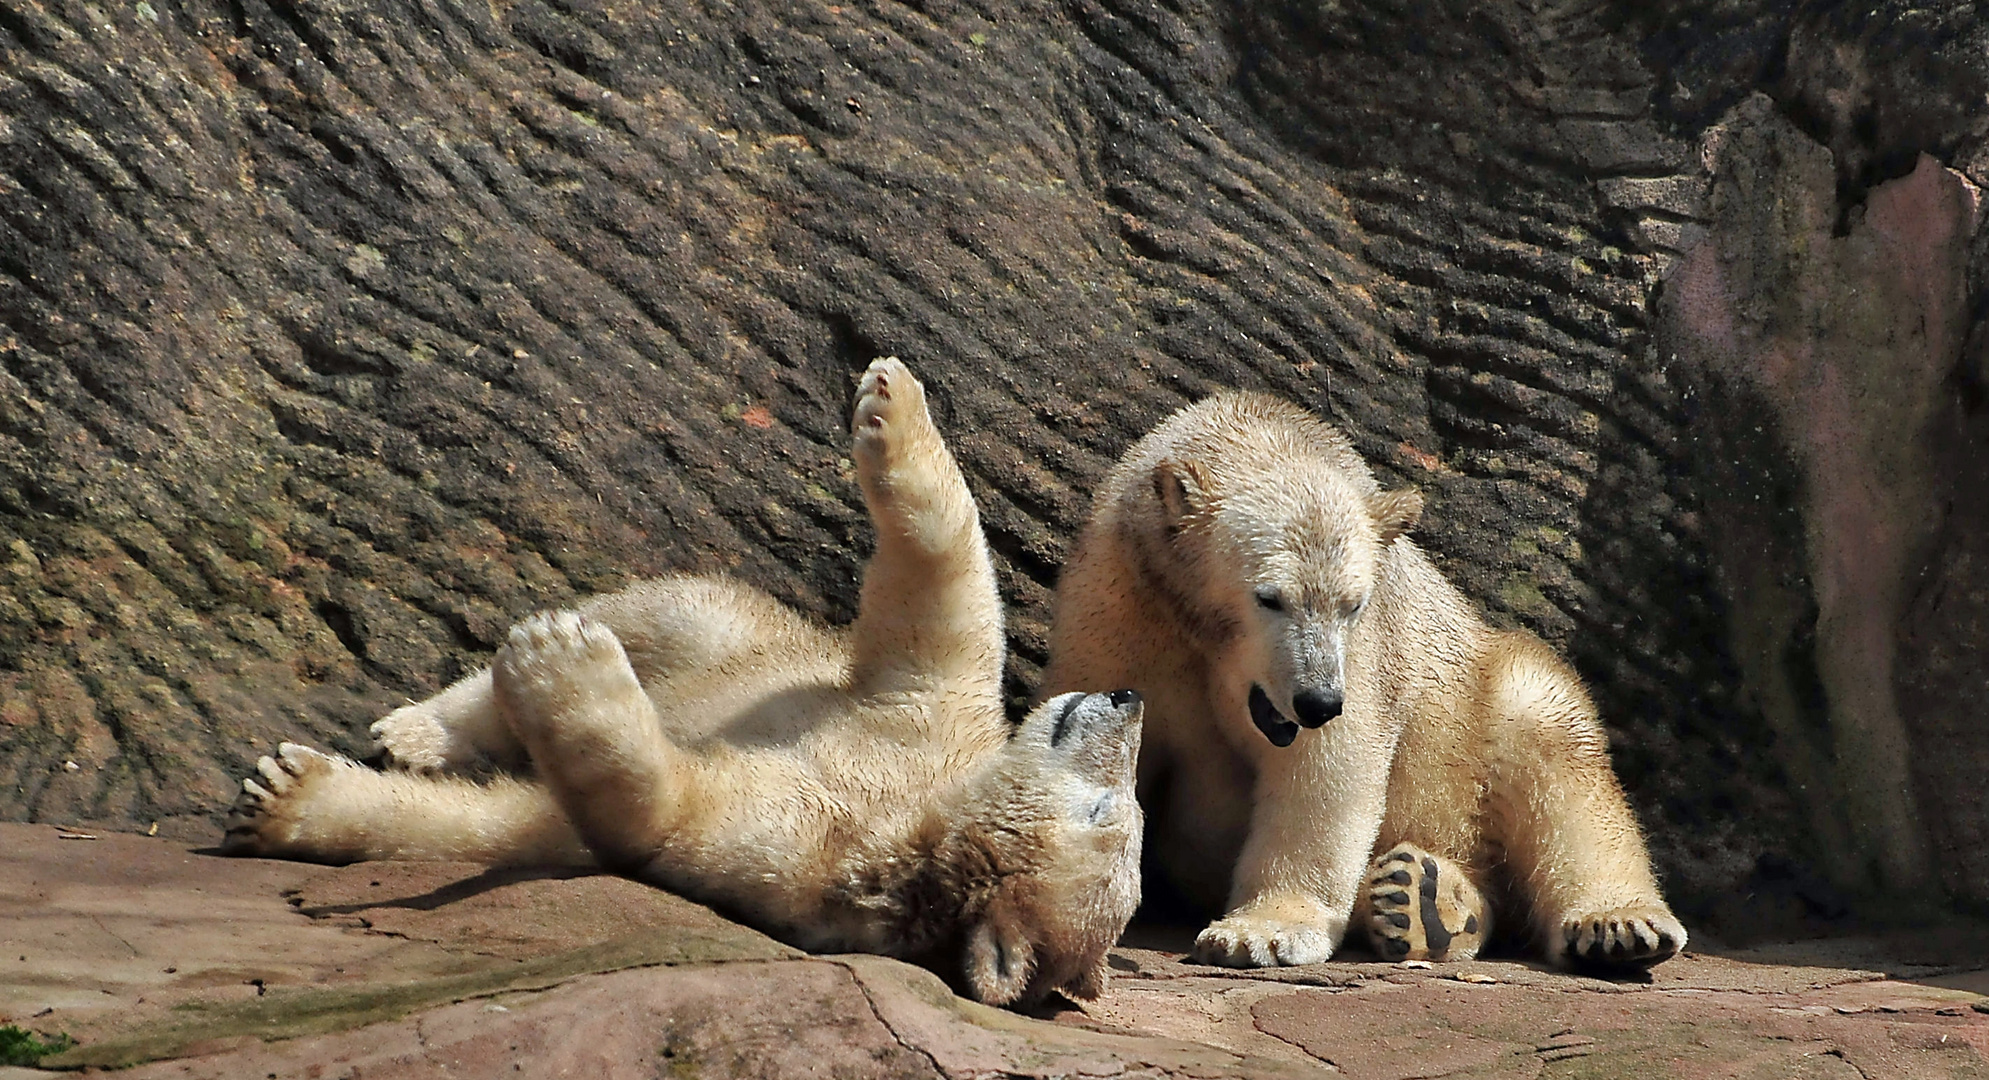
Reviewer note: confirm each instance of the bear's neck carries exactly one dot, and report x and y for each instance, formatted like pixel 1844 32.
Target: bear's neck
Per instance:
pixel 916 897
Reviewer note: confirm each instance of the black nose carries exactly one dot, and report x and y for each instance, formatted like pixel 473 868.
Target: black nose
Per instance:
pixel 1123 697
pixel 1315 707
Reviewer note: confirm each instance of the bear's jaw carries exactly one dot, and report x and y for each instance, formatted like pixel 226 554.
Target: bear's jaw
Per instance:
pixel 1269 720
pixel 1009 843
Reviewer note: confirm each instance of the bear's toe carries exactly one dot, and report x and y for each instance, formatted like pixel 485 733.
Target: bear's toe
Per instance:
pixel 1624 939
pixel 1242 941
pixel 890 414
pixel 264 819
pixel 556 646
pixel 411 738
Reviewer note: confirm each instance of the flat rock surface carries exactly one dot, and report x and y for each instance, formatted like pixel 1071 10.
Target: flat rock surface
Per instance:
pixel 179 963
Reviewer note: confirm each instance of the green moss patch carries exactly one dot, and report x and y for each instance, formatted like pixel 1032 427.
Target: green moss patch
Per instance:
pixel 18 1046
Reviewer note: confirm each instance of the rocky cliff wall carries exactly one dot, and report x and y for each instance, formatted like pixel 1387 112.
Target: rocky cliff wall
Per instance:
pixel 336 336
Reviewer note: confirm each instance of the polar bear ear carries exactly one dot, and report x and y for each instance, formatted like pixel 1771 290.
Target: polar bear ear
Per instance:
pixel 1395 512
pixel 999 961
pixel 1181 489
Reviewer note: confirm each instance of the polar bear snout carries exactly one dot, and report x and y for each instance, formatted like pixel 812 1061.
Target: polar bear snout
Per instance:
pixel 1295 659
pixel 1316 707
pixel 1078 718
pixel 1311 707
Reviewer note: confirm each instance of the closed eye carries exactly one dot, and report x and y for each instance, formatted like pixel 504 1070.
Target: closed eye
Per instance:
pixel 1062 726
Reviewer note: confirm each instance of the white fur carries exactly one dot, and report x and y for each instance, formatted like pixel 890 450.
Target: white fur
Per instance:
pixel 1244 544
pixel 846 791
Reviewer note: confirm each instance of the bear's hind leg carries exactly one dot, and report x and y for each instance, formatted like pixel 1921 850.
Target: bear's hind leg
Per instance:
pixel 1420 906
pixel 929 604
pixel 1571 843
pixel 306 805
pixel 573 701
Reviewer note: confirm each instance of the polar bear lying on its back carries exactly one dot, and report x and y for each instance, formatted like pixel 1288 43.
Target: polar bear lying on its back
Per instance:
pixel 844 791
pixel 1244 572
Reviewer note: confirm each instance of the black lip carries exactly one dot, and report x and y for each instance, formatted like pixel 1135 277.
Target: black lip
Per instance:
pixel 1062 727
pixel 1265 715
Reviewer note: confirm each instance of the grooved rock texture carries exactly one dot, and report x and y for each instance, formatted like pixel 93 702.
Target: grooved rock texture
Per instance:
pixel 336 336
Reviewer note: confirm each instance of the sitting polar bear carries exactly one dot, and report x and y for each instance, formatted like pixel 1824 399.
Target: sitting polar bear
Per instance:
pixel 845 791
pixel 1244 572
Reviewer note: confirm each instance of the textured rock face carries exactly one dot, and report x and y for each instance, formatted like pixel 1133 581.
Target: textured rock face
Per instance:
pixel 334 337
pixel 1845 343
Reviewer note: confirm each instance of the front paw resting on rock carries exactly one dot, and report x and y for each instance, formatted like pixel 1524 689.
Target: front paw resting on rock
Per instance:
pixel 1272 933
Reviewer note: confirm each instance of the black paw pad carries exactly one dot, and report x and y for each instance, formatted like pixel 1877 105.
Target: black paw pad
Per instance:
pixel 1434 930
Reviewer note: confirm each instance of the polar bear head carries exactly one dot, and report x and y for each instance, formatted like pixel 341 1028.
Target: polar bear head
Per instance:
pixel 1264 532
pixel 1044 851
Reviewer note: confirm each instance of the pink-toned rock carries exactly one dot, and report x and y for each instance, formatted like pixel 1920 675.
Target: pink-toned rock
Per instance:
pixel 1835 333
pixel 516 914
pixel 414 970
pixel 778 1019
pixel 1388 1036
pixel 97 932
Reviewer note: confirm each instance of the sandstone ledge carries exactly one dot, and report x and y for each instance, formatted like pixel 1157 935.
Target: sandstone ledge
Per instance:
pixel 179 963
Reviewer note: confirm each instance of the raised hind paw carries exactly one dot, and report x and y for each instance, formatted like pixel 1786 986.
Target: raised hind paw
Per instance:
pixel 275 813
pixel 558 667
pixel 1271 934
pixel 1625 938
pixel 1424 908
pixel 457 730
pixel 890 411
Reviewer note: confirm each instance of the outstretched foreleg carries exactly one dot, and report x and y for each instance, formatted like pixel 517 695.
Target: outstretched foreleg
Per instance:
pixel 302 804
pixel 1318 810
